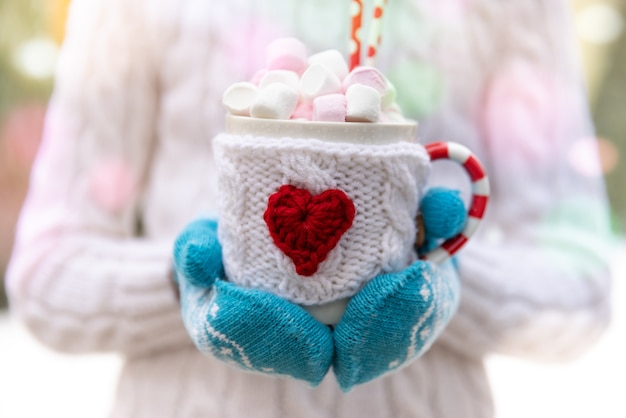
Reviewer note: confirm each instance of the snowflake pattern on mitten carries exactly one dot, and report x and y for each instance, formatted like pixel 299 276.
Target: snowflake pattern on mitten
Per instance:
pixel 394 320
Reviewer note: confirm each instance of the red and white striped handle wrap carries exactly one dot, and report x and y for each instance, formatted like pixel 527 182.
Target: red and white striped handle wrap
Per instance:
pixel 480 196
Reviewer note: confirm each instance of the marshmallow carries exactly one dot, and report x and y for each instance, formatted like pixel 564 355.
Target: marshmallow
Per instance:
pixel 238 98
pixel 303 111
pixel 280 76
pixel 317 81
pixel 333 60
pixel 275 101
pixel 389 97
pixel 330 108
pixel 368 76
pixel 363 103
pixel 392 114
pixel 286 54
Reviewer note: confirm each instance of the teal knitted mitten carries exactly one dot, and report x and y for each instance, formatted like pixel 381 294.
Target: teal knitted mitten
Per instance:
pixel 251 329
pixel 198 253
pixel 444 215
pixel 394 319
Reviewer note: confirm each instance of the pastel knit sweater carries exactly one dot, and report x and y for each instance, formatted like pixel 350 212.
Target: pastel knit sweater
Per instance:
pixel 126 162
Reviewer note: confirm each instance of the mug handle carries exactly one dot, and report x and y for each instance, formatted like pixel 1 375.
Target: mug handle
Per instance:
pixel 480 196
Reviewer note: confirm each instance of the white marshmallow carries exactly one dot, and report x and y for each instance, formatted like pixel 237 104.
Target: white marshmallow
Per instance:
pixel 275 101
pixel 389 97
pixel 280 76
pixel 392 114
pixel 363 103
pixel 330 108
pixel 368 76
pixel 333 60
pixel 238 98
pixel 286 54
pixel 317 81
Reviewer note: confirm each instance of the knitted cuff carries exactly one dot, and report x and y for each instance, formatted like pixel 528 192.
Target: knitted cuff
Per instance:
pixel 148 300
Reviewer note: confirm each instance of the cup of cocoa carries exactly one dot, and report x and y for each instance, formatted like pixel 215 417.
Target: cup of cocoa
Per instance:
pixel 320 179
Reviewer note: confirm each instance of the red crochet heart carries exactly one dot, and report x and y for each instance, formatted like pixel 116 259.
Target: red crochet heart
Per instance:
pixel 305 227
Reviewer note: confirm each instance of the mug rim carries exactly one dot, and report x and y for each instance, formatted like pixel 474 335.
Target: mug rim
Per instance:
pixel 346 132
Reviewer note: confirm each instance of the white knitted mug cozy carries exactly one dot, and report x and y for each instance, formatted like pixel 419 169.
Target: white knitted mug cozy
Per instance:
pixel 378 167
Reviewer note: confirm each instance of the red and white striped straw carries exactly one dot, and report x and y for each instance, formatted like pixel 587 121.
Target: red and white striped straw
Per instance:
pixel 356 11
pixel 480 196
pixel 375 32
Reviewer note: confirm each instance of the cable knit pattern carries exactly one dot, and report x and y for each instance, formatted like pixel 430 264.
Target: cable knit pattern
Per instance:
pixel 383 182
pixel 138 88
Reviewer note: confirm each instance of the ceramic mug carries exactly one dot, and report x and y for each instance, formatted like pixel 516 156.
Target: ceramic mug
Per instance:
pixel 311 211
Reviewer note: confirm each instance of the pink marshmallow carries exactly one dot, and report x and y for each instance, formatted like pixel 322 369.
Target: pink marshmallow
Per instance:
pixel 286 54
pixel 368 76
pixel 330 108
pixel 303 111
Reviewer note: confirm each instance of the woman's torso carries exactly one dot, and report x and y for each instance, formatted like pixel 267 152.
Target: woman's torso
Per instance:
pixel 202 48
